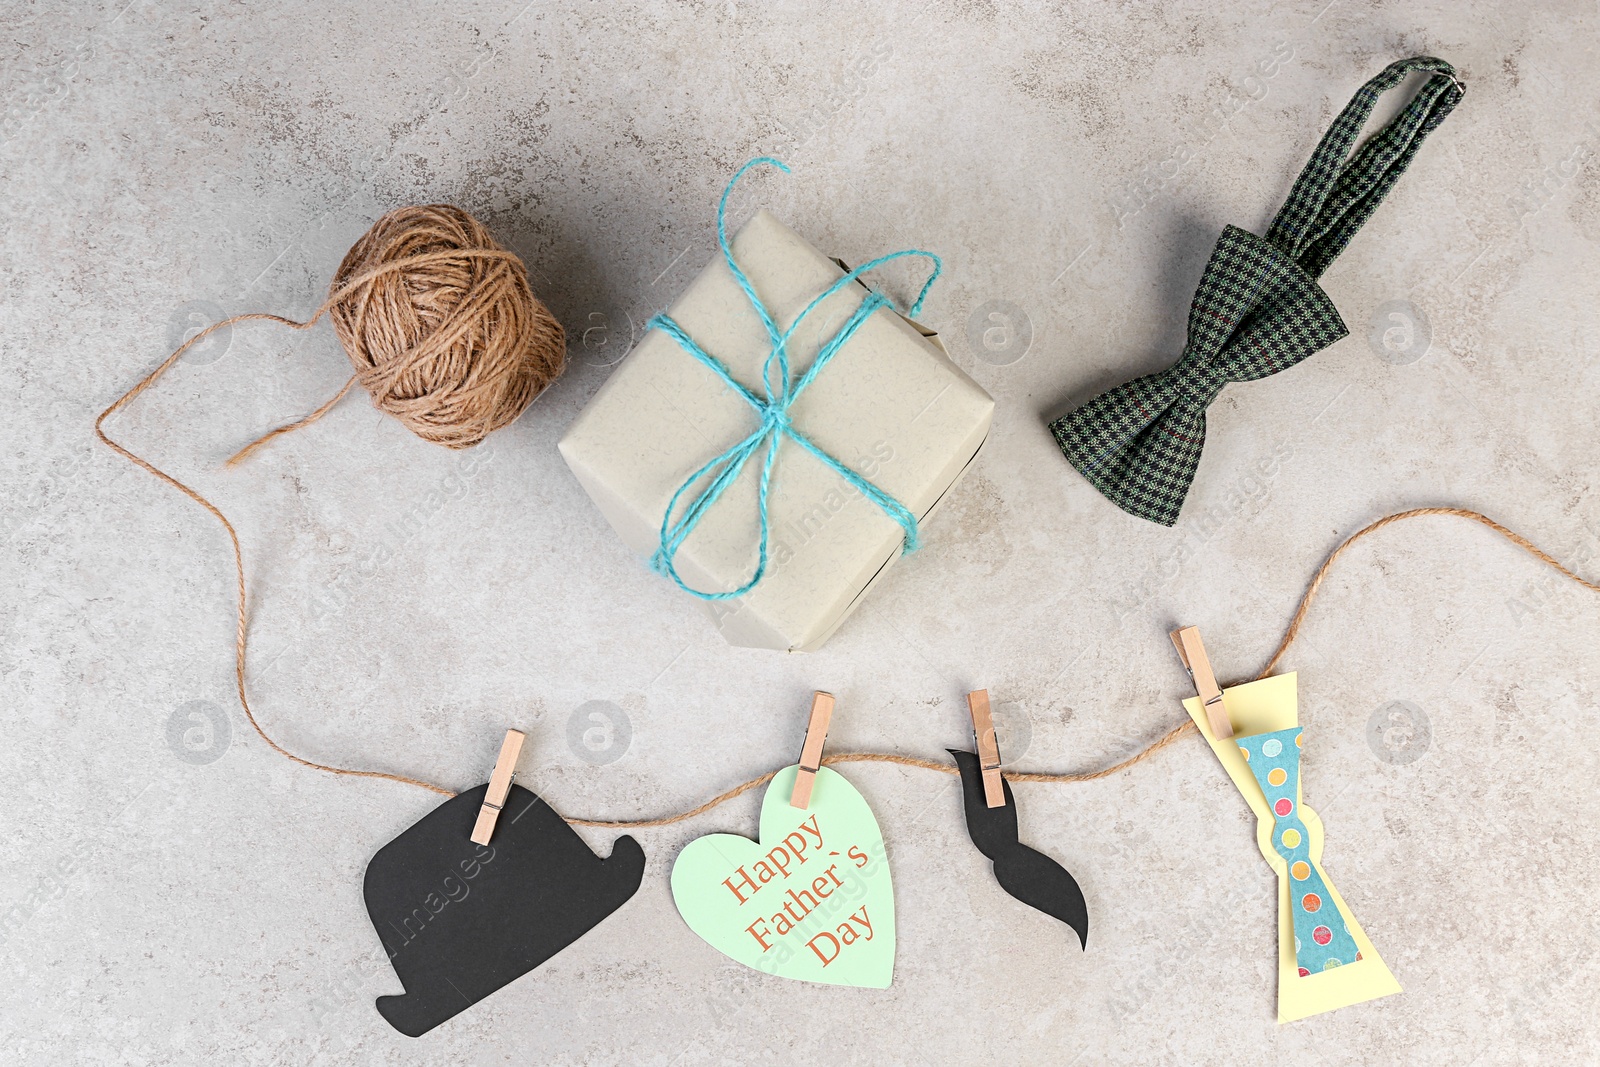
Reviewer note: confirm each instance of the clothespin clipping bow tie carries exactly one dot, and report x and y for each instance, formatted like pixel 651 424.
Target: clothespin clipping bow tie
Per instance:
pixel 1258 309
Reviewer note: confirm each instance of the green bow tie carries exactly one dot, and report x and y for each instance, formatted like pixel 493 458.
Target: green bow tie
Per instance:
pixel 1258 309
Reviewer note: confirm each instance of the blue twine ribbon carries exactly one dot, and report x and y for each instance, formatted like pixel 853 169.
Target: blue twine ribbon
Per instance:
pixel 773 410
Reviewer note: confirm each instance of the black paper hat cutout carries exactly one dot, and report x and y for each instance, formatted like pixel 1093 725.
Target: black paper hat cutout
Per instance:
pixel 1032 877
pixel 461 920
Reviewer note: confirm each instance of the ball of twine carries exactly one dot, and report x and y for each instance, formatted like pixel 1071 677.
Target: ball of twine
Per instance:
pixel 440 326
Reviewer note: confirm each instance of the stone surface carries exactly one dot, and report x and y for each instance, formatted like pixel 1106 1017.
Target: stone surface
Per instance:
pixel 175 892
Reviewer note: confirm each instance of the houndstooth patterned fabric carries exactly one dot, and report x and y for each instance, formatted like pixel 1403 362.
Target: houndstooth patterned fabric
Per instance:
pixel 1258 309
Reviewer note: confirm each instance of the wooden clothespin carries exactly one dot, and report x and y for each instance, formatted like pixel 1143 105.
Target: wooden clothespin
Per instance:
pixel 1193 655
pixel 994 794
pixel 811 752
pixel 505 770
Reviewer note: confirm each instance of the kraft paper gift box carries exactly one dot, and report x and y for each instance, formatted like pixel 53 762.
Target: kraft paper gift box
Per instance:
pixel 890 405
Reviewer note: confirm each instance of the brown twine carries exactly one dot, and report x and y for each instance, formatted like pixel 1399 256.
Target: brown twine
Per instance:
pixel 943 767
pixel 444 333
pixel 1171 736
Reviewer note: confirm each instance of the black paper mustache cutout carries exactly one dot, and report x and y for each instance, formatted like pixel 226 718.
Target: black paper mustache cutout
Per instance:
pixel 460 920
pixel 1032 877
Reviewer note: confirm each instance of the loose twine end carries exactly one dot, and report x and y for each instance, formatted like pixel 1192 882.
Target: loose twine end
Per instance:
pixel 254 446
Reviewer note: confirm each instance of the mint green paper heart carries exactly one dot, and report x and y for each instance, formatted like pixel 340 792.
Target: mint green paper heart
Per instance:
pixel 791 906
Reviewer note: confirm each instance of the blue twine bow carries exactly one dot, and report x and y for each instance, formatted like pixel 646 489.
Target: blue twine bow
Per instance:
pixel 773 411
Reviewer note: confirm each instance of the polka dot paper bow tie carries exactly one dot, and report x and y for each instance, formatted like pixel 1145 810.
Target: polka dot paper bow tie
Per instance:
pixel 1322 941
pixel 1258 310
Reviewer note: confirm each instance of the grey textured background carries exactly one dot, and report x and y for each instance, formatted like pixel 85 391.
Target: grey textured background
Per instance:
pixel 174 892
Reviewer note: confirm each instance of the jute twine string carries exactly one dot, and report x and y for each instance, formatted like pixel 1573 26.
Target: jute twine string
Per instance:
pixel 240 642
pixel 1172 735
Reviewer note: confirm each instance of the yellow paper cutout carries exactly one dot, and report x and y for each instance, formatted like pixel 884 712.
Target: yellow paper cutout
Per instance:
pixel 1262 707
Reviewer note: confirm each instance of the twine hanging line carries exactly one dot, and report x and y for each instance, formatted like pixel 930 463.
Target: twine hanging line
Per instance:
pixel 1187 726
